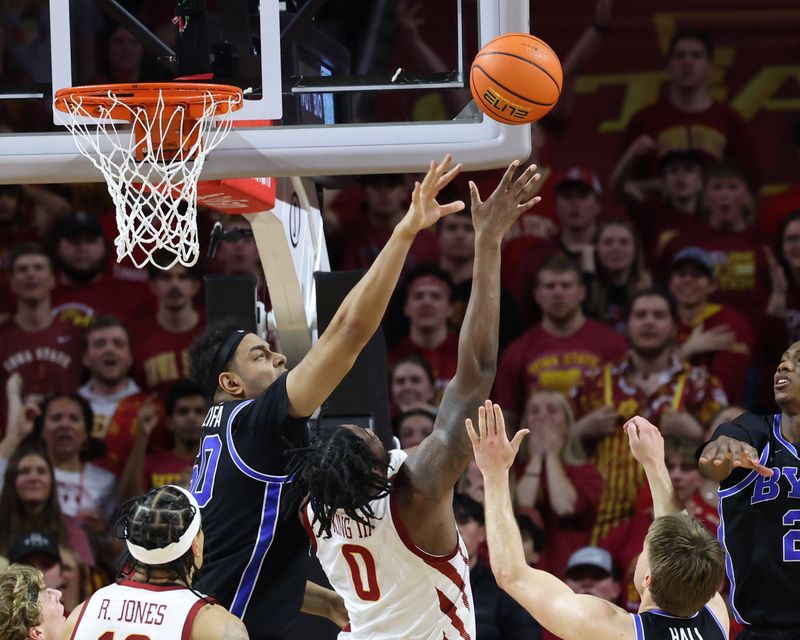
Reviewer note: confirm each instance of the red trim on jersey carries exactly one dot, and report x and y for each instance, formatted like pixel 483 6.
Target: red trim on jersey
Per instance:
pixel 187 625
pixel 307 526
pixel 451 573
pixel 401 531
pixel 80 617
pixel 151 587
pixel 448 608
pixel 346 628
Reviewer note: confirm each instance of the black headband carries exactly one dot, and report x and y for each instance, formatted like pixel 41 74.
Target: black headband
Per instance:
pixel 226 351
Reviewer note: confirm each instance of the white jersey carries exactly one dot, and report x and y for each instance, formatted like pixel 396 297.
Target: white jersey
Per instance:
pixel 393 589
pixel 136 609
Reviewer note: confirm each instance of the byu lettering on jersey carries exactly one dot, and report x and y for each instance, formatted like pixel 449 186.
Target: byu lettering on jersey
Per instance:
pixel 760 527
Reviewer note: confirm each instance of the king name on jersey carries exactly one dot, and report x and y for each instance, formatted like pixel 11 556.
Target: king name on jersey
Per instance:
pixel 346 527
pixel 132 611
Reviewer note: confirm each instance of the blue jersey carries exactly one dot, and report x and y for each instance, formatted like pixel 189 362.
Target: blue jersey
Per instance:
pixel 660 625
pixel 255 545
pixel 760 527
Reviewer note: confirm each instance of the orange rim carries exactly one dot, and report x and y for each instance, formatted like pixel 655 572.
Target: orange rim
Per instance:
pixel 107 100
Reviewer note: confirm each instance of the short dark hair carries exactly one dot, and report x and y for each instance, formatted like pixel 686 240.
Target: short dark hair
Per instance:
pixel 691 33
pixel 203 351
pixel 182 388
pixel 104 321
pixel 415 358
pixel 653 292
pixel 426 270
pixel 27 249
pixel 730 169
pixel 467 508
pixel 95 447
pixel 559 263
pixel 339 471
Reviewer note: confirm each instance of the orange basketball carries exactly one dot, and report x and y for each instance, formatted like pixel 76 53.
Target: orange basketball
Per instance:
pixel 516 78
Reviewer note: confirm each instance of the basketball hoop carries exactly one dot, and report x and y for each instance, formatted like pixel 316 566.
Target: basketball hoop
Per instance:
pixel 151 161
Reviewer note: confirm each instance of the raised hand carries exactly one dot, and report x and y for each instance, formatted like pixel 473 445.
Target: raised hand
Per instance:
pixel 598 423
pixel 425 211
pixel 147 418
pixel 719 338
pixel 646 441
pixel 729 451
pixel 510 199
pixel 493 452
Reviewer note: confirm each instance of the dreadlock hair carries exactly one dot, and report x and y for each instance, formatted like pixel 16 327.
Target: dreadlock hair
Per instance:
pixel 339 471
pixel 154 520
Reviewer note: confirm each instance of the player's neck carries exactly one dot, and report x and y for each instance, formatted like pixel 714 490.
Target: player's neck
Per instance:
pixel 790 425
pixel 156 578
pixel 34 316
pixel 428 338
pixel 691 100
pixel 460 270
pixel 564 328
pixel 177 320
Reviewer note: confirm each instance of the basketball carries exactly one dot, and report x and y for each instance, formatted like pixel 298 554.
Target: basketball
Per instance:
pixel 516 78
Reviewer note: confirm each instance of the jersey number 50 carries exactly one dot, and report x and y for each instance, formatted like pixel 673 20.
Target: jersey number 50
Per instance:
pixel 202 484
pixel 366 581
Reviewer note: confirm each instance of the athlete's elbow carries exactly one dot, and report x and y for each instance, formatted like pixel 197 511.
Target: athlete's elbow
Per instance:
pixel 507 574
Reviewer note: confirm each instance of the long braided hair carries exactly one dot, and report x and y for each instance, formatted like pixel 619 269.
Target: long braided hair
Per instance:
pixel 154 520
pixel 339 471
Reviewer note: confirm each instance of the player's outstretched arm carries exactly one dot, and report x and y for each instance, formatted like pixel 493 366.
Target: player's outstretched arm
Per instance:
pixel 721 456
pixel 358 317
pixel 326 603
pixel 647 446
pixel 443 456
pixel 554 605
pixel 214 622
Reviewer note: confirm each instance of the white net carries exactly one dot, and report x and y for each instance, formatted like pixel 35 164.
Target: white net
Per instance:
pixel 151 179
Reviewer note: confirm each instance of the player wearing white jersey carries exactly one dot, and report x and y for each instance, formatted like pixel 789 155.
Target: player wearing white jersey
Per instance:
pixel 356 488
pixel 153 598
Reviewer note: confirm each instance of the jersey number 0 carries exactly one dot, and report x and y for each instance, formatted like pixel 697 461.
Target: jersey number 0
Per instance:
pixel 362 570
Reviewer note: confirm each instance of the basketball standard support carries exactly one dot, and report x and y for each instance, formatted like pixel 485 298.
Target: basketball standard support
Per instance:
pixel 292 247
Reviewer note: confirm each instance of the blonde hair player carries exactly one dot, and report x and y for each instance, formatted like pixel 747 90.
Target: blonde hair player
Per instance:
pixel 28 609
pixel 678 573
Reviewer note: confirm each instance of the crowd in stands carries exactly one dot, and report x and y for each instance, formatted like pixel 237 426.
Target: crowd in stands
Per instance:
pixel 675 307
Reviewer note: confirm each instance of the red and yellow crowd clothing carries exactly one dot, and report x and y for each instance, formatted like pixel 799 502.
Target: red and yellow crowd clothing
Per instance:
pixel 730 365
pixel 717 132
pixel 128 301
pixel 540 361
pixel 443 359
pixel 741 271
pixel 774 210
pixel 681 388
pixel 161 357
pixel 164 467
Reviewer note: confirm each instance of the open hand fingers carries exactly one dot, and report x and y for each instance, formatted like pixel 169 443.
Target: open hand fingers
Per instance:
pixel 508 176
pixel 527 181
pixel 473 437
pixel 446 178
pixel 517 439
pixel 499 421
pixel 450 207
pixel 474 195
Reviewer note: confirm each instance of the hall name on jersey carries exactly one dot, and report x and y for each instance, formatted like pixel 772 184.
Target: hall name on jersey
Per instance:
pixel 767 489
pixel 346 527
pixel 213 417
pixel 680 633
pixel 133 611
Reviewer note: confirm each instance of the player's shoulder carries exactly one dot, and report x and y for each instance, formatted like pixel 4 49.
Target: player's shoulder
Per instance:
pixel 214 621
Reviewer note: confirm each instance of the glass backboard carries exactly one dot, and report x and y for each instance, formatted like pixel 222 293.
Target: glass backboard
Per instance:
pixel 345 86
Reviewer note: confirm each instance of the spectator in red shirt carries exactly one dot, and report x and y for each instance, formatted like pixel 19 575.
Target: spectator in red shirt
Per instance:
pixel 687 117
pixel 428 292
pixel 709 335
pixel 43 350
pixel 186 408
pixel 162 340
pixel 578 207
pixel 554 354
pixel 675 206
pixel 362 234
pixel 411 382
pixel 650 381
pixel 557 480
pixel 114 396
pixel 83 290
pixel 775 209
pixel 614 273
